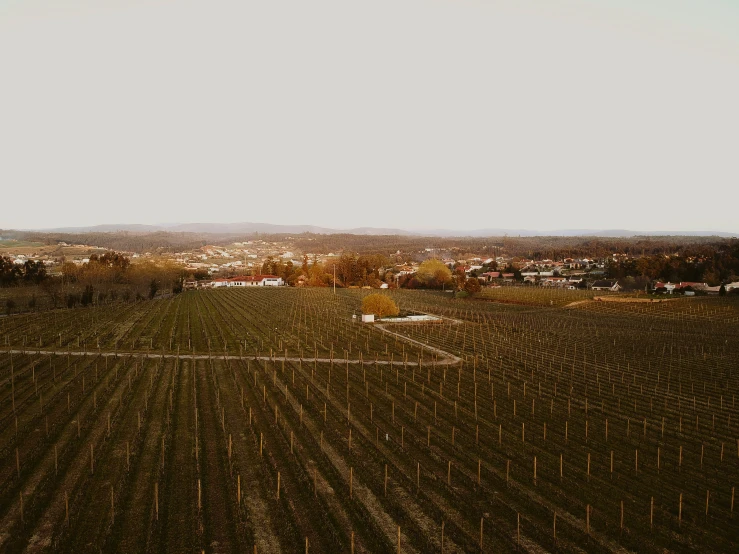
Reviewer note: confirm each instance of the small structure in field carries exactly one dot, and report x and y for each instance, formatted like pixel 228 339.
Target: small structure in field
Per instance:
pixel 417 318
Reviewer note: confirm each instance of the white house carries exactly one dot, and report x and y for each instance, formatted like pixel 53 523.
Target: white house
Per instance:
pixel 249 281
pixel 270 281
pixel 669 287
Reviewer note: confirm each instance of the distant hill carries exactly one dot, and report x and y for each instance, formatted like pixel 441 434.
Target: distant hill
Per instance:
pixel 107 228
pixel 244 228
pixel 270 228
pixel 225 229
pixel 608 233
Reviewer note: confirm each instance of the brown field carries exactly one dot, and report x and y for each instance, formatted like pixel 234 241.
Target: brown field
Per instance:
pixel 229 421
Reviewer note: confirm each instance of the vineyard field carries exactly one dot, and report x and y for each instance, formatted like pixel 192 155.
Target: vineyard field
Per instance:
pixel 273 420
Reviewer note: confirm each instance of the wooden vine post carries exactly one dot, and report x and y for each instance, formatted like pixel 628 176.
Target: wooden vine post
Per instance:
pixel 482 522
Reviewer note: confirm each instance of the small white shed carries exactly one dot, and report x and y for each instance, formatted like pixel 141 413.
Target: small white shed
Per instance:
pixel 368 318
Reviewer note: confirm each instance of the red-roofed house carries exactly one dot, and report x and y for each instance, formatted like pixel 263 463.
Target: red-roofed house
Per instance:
pixel 692 285
pixel 490 275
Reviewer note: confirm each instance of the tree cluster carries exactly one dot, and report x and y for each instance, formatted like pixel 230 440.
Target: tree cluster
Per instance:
pixel 431 274
pixel 106 278
pixel 350 270
pixel 380 305
pixel 712 266
pixel 12 274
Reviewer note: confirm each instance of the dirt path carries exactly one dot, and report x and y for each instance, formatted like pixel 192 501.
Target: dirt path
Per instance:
pixel 577 303
pixel 620 300
pixel 448 359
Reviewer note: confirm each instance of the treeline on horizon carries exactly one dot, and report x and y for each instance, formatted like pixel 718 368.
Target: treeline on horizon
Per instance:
pixel 364 259
pixel 543 247
pixel 712 265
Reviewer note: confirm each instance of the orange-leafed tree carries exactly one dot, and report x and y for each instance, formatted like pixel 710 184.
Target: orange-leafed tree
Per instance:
pixel 379 304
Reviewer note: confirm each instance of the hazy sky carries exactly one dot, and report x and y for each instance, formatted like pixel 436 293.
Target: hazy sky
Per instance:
pixel 397 113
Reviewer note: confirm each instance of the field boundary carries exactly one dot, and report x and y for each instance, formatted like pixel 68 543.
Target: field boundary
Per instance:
pixel 449 359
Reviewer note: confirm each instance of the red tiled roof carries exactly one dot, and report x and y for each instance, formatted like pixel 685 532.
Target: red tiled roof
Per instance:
pixel 684 284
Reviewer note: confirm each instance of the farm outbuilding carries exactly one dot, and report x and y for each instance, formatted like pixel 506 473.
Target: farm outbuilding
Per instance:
pixel 612 286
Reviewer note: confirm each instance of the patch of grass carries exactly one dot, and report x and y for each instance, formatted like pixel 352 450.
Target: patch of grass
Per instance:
pixel 536 296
